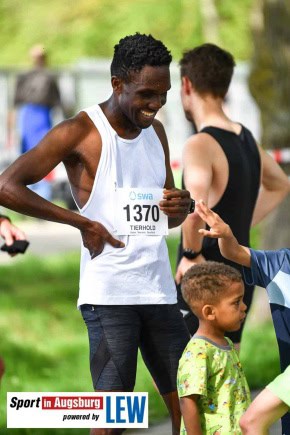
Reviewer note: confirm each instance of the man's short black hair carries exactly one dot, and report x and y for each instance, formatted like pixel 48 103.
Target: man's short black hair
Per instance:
pixel 133 52
pixel 209 68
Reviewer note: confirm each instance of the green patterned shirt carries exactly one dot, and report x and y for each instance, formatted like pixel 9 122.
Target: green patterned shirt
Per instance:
pixel 214 372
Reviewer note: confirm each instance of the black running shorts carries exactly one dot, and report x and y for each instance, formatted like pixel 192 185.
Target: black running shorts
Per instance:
pixel 117 331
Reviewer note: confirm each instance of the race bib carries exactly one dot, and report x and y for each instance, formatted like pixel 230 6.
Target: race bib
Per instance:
pixel 137 212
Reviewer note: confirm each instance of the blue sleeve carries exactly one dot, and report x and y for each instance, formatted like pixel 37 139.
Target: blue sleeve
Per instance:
pixel 264 267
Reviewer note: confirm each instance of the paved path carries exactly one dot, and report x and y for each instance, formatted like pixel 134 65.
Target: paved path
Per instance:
pixel 46 238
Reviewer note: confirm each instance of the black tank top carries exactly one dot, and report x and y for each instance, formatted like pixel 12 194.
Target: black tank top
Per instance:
pixel 238 201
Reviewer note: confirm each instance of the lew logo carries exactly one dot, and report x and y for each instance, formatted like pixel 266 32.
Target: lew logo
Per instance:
pixel 133 195
pixel 127 410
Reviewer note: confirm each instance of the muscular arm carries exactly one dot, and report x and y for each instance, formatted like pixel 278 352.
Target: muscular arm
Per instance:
pixel 198 174
pixel 189 410
pixel 175 202
pixel 274 187
pixel 31 167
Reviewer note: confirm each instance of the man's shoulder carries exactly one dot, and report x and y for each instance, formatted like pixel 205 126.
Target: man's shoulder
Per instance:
pixel 200 145
pixel 81 120
pixel 76 128
pixel 158 127
pixel 200 138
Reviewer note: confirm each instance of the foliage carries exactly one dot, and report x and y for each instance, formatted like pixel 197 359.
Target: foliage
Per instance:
pixel 93 27
pixel 259 354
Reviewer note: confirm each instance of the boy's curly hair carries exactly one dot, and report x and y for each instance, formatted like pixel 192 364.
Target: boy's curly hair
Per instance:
pixel 133 52
pixel 206 283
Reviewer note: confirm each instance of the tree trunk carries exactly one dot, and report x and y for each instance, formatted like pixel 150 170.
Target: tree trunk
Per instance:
pixel 270 86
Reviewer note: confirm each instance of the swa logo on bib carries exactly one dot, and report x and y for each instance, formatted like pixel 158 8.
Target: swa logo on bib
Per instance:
pixel 140 196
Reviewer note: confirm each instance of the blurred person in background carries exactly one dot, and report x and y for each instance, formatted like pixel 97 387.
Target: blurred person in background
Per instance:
pixel 36 94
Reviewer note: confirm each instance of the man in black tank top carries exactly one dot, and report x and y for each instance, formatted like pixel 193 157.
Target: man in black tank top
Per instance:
pixel 222 165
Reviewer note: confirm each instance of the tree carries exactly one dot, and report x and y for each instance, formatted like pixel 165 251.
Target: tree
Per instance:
pixel 270 86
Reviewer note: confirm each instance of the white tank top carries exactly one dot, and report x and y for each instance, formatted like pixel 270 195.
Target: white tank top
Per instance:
pixel 140 272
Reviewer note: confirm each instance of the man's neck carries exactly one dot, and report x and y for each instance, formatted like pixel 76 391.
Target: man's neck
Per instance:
pixel 207 110
pixel 118 120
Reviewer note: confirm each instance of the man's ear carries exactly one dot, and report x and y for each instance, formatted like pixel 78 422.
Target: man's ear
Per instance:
pixel 208 312
pixel 186 85
pixel 117 84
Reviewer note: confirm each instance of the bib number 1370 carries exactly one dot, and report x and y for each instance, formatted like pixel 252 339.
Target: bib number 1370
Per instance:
pixel 143 212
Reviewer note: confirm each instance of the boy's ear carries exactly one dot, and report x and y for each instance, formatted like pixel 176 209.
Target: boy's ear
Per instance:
pixel 117 84
pixel 208 312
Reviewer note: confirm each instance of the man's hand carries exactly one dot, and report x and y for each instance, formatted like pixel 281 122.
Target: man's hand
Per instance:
pixel 218 228
pixel 95 236
pixel 175 203
pixel 186 264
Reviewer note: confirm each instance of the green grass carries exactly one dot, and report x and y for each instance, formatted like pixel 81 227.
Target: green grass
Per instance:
pixel 259 354
pixel 43 338
pixel 178 23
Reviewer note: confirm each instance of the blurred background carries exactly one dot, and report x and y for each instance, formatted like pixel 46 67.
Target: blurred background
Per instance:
pixel 42 336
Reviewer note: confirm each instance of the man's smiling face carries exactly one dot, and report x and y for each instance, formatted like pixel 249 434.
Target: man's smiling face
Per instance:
pixel 144 94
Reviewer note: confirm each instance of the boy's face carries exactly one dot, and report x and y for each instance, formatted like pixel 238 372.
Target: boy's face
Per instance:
pixel 231 310
pixel 145 93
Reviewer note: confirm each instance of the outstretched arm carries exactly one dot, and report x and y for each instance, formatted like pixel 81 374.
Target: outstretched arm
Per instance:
pixel 228 244
pixel 275 186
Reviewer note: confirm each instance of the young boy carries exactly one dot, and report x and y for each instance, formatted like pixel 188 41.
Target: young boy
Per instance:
pixel 212 388
pixel 269 269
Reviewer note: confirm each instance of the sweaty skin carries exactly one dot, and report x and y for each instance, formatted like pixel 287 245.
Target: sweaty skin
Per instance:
pixel 77 143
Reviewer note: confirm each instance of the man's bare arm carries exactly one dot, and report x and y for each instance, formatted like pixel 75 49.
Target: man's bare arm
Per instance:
pixel 228 244
pixel 275 186
pixel 198 174
pixel 32 166
pixel 176 202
